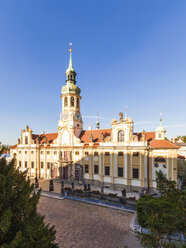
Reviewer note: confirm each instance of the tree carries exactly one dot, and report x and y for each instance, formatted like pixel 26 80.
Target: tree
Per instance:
pixel 163 217
pixel 20 224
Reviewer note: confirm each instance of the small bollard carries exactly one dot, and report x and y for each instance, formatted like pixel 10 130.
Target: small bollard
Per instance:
pixel 62 183
pixel 72 186
pixel 62 188
pixel 62 191
pixel 89 187
pixel 123 193
pixel 51 185
pixel 36 183
pixel 85 187
pixel 102 190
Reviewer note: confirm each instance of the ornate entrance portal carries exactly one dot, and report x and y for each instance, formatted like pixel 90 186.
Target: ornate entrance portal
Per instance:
pixel 78 172
pixel 65 172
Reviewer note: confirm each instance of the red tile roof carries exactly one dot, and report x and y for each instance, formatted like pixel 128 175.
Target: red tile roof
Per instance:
pixel 181 156
pixel 85 138
pixel 85 135
pixel 162 144
pixel 13 147
pixel 5 152
pixel 50 137
pixel 149 136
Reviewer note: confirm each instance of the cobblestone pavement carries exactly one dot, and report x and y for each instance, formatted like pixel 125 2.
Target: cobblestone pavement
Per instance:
pixel 81 225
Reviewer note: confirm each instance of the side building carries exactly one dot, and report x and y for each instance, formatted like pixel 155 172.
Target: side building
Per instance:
pixel 117 157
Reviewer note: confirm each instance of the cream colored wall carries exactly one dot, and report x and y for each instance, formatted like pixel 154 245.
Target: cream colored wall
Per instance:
pixel 127 162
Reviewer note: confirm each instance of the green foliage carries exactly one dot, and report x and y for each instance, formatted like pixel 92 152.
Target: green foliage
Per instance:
pixel 182 137
pixel 164 216
pixel 20 224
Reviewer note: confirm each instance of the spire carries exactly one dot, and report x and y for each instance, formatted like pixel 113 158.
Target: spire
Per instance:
pixel 160 131
pixel 97 123
pixel 70 67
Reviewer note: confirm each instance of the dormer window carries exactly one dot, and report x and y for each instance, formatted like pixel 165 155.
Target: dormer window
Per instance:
pixel 26 140
pixel 160 159
pixel 72 101
pixel 121 136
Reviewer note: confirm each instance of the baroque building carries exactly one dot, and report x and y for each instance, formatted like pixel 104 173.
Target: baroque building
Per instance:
pixel 117 157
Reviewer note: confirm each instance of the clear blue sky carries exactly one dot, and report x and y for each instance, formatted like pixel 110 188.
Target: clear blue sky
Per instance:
pixel 125 53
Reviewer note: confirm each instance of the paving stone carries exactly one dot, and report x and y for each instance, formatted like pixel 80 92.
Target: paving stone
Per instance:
pixel 81 225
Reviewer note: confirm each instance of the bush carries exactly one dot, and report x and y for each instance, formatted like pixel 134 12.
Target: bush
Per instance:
pixel 96 192
pixel 78 191
pixel 68 189
pixel 112 195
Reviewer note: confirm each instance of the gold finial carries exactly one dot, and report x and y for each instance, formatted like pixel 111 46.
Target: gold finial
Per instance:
pixel 70 47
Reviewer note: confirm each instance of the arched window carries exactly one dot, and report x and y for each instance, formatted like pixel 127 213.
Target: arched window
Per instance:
pixel 26 140
pixel 160 159
pixel 120 136
pixel 159 135
pixel 72 101
pixel 77 102
pixel 66 101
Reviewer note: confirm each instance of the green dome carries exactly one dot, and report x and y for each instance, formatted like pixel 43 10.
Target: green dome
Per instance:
pixel 70 88
pixel 160 129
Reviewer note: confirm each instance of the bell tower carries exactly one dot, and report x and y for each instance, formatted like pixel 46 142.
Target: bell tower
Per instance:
pixel 70 96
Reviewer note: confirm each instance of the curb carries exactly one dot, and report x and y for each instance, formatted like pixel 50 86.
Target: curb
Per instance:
pixel 134 228
pixel 101 204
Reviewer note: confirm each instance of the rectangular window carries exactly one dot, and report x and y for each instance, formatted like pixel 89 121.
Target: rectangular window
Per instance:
pixel 65 155
pixel 25 152
pixel 32 165
pixel 76 153
pixel 107 171
pixel 107 153
pixel 135 173
pixel 32 152
pixel 48 165
pixel 95 153
pixel 41 152
pixel 19 152
pixel 48 152
pixel 120 172
pixel 42 165
pixel 96 169
pixel 135 154
pixel 19 164
pixel 25 164
pixel 55 152
pixel 86 153
pixel 86 168
pixel 120 154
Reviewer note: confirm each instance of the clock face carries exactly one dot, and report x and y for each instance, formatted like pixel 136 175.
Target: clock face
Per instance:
pixel 77 116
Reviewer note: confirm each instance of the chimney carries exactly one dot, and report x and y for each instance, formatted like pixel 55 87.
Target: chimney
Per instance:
pixel 43 132
pixel 90 127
